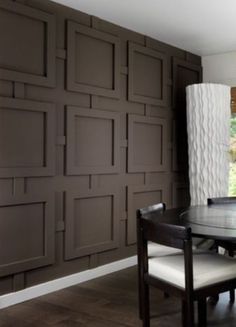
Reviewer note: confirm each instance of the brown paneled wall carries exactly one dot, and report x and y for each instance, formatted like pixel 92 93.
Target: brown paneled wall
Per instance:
pixel 92 123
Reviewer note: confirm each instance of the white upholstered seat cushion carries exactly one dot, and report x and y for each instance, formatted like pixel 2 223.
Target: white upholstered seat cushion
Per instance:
pixel 158 250
pixel 208 269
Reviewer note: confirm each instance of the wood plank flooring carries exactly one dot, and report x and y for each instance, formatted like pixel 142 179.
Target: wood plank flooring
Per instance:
pixel 109 301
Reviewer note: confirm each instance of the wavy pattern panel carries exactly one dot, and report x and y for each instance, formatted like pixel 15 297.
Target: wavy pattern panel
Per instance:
pixel 208 122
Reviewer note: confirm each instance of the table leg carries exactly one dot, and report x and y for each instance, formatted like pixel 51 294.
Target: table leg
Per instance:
pixel 202 313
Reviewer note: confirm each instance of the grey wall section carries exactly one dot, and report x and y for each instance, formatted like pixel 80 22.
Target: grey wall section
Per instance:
pixel 92 123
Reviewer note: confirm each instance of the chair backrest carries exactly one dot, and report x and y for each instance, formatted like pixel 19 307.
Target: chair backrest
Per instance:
pixel 161 232
pixel 222 200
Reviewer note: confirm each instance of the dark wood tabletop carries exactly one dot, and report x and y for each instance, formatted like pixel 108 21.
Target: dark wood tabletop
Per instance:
pixel 206 221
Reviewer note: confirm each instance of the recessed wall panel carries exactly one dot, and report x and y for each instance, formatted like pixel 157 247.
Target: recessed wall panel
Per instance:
pixel 90 211
pixel 140 197
pixel 93 61
pixel 17 218
pixel 98 148
pixel 27 37
pixel 28 224
pixel 17 126
pixel 91 223
pixel 92 142
pixel 147 75
pixel 147 144
pixel 184 74
pixel 99 54
pixel 27 141
pixel 150 69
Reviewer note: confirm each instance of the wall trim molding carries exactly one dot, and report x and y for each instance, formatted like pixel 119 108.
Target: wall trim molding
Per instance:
pixel 60 283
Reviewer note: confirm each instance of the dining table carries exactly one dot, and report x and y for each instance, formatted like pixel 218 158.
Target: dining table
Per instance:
pixel 216 222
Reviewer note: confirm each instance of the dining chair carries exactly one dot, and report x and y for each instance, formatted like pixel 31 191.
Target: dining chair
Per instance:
pixel 190 277
pixel 228 246
pixel 154 249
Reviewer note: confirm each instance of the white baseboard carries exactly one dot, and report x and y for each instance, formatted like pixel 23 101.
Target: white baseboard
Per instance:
pixel 60 283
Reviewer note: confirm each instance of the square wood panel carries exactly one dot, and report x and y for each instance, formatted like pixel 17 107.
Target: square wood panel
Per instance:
pixel 140 197
pixel 26 233
pixel 27 142
pixel 147 144
pixel 92 141
pixel 147 75
pixel 93 61
pixel 27 39
pixel 91 223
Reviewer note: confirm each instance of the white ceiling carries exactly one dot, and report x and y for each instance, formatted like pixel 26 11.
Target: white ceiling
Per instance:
pixel 203 27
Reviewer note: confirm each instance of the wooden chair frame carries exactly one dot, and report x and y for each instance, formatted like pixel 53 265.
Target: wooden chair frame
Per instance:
pixel 156 209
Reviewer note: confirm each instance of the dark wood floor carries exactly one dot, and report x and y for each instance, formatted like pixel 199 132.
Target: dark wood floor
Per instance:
pixel 110 301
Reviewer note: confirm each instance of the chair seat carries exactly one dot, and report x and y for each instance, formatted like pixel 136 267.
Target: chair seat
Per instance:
pixel 208 269
pixel 158 250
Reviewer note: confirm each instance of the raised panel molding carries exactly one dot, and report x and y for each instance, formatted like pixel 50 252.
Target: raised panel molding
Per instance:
pixel 27 44
pixel 27 138
pixel 92 141
pixel 100 145
pixel 147 144
pixel 92 222
pixel 28 222
pixel 147 75
pixel 139 197
pixel 93 61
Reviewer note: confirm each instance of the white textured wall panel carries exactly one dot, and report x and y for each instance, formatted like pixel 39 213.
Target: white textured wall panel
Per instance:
pixel 208 126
